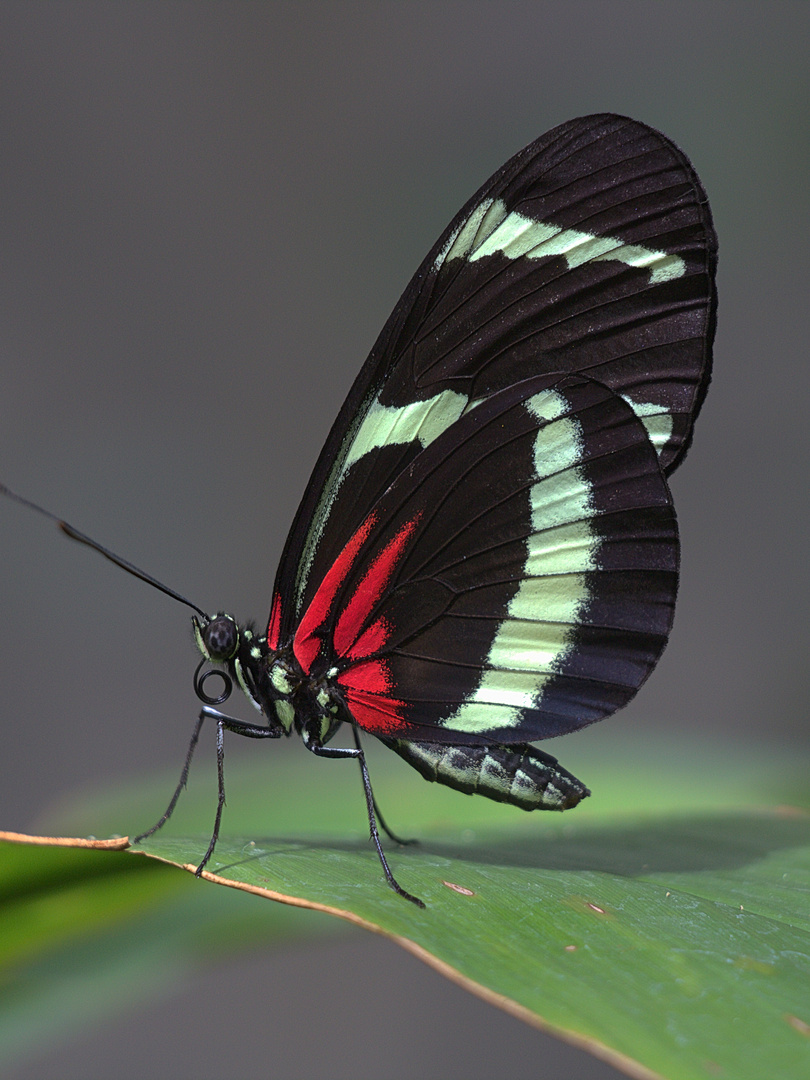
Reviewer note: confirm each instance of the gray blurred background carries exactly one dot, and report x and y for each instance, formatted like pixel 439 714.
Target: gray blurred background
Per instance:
pixel 208 211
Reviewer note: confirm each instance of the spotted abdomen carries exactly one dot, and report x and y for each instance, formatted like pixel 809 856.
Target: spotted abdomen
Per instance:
pixel 520 774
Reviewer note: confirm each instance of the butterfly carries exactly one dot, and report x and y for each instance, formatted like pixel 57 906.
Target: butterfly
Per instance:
pixel 486 554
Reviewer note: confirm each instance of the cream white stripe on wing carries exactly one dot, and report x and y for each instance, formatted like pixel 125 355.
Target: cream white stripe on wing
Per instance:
pixel 538 631
pixel 490 229
pixel 484 219
pixel 382 425
pixel 656 419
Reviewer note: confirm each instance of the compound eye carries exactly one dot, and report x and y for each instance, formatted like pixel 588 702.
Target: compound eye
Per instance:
pixel 221 638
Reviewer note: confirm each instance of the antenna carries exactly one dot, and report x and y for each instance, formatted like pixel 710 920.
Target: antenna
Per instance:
pixel 74 534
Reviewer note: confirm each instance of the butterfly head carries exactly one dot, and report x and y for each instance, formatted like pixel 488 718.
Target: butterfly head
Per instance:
pixel 222 641
pixel 218 637
pixel 239 655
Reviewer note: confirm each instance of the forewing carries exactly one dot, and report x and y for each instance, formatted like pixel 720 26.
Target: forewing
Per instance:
pixel 517 582
pixel 590 251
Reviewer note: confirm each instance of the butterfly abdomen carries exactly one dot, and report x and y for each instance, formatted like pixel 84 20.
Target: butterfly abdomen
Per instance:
pixel 519 774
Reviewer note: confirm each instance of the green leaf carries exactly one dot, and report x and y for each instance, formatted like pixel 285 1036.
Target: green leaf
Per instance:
pixel 87 934
pixel 663 925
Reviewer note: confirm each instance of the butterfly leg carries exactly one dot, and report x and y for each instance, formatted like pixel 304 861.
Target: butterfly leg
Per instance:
pixel 359 755
pixel 181 785
pixel 380 819
pixel 240 727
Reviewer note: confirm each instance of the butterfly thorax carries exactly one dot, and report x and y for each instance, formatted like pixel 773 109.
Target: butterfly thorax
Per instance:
pixel 273 680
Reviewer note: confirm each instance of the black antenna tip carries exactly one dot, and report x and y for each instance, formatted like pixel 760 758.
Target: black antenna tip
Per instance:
pixel 74 534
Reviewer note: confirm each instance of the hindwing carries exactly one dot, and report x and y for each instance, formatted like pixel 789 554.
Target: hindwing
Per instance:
pixel 591 251
pixel 516 581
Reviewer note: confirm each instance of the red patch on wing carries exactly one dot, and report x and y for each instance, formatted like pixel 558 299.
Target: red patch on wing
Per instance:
pixel 371 640
pixel 350 639
pixel 366 687
pixel 274 624
pixel 307 641
pixel 377 715
pixel 371 676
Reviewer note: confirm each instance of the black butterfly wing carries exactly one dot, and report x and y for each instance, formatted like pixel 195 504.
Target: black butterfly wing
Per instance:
pixel 590 251
pixel 516 582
